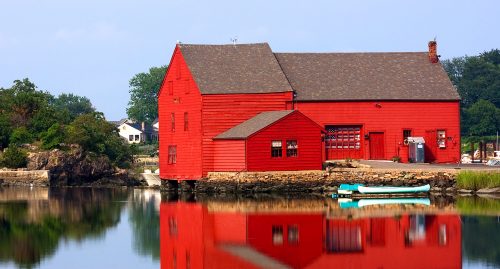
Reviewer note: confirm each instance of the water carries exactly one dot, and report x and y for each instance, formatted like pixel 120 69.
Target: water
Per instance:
pixel 120 228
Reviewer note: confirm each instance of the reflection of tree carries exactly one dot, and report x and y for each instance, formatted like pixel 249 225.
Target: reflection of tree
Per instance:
pixel 480 239
pixel 32 230
pixel 145 221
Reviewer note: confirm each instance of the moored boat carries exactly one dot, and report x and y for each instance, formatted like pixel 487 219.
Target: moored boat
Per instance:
pixel 347 189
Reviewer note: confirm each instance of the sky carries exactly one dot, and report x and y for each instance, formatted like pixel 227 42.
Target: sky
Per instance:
pixel 93 48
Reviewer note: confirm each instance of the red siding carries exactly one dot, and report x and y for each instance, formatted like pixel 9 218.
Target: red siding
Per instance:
pixel 391 118
pixel 185 98
pixel 229 155
pixel 293 127
pixel 221 112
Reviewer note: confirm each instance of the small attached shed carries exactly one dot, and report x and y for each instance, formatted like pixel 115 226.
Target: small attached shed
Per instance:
pixel 284 140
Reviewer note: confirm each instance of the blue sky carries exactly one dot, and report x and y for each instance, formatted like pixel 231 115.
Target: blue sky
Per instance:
pixel 93 47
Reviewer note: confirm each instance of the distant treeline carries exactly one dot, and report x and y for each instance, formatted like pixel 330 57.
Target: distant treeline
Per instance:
pixel 477 79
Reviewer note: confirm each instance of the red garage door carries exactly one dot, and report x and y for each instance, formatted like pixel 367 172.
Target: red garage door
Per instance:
pixel 343 142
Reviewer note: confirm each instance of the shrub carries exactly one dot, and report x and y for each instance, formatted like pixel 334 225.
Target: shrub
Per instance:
pixel 54 137
pixel 13 157
pixel 475 180
pixel 21 136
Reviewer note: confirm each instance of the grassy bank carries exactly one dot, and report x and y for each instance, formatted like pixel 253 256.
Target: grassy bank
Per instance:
pixel 475 180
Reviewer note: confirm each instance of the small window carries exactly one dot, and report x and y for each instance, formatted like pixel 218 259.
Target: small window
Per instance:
pixel 277 235
pixel 137 138
pixel 170 86
pixel 186 121
pixel 276 149
pixel 293 234
pixel 131 138
pixel 291 148
pixel 441 138
pixel 172 154
pixel 406 134
pixel 188 86
pixel 172 118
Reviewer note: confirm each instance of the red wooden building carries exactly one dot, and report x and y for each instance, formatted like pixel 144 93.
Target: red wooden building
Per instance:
pixel 366 104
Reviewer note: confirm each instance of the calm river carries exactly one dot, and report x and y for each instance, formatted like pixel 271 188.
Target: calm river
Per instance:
pixel 124 228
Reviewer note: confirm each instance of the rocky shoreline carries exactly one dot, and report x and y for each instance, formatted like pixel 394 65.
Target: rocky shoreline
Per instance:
pixel 321 182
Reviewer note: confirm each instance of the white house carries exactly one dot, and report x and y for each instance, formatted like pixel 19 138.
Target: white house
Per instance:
pixel 136 133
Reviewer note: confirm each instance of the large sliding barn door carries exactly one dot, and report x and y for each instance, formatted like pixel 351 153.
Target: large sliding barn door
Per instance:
pixel 343 142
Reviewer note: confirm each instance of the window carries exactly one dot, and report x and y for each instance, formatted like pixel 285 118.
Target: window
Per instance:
pixel 173 122
pixel 291 148
pixel 441 138
pixel 293 234
pixel 343 137
pixel 170 86
pixel 136 137
pixel 131 138
pixel 276 149
pixel 188 86
pixel 186 122
pixel 172 154
pixel 277 235
pixel 172 227
pixel 179 72
pixel 406 134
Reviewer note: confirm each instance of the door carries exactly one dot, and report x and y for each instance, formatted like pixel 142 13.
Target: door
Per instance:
pixel 430 146
pixel 377 146
pixel 343 141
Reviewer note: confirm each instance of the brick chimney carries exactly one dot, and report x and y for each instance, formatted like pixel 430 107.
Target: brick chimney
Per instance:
pixel 433 57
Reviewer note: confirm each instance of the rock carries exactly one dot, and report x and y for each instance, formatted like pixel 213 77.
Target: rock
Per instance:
pixel 464 191
pixel 489 190
pixel 450 190
pixel 436 189
pixel 73 167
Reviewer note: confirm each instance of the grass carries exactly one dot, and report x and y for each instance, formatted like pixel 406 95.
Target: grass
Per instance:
pixel 475 180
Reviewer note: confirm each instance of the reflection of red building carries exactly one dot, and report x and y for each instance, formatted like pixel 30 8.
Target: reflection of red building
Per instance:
pixel 192 237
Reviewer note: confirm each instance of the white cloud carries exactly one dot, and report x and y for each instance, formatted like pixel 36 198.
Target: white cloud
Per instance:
pixel 102 31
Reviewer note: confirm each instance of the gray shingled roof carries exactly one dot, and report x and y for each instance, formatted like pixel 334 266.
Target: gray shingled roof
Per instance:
pixel 366 76
pixel 253 125
pixel 242 68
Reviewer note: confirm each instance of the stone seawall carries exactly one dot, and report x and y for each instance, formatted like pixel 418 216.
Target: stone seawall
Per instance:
pixel 38 178
pixel 322 181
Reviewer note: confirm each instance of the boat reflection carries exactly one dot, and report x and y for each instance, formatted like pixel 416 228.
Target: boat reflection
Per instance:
pixel 193 235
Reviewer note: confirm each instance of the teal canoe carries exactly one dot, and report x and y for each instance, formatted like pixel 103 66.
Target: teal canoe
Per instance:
pixel 389 201
pixel 368 190
pixel 382 189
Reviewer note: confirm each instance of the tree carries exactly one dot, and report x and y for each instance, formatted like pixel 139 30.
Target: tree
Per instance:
pixel 73 104
pixel 93 133
pixel 481 119
pixel 13 157
pixel 143 104
pixel 476 77
pixel 54 137
pixel 20 136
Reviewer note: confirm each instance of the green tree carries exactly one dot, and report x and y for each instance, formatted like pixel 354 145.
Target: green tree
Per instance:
pixel 13 157
pixel 20 136
pixel 143 104
pixel 73 104
pixel 25 102
pixel 481 119
pixel 5 131
pixel 476 77
pixel 93 133
pixel 54 137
